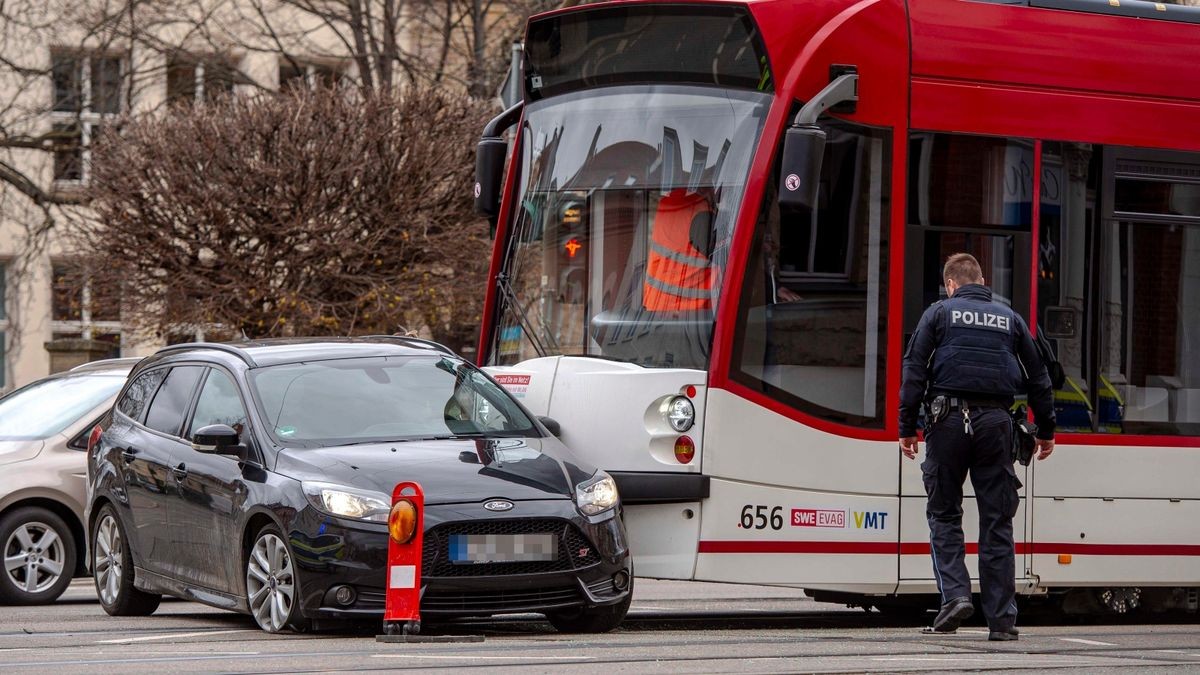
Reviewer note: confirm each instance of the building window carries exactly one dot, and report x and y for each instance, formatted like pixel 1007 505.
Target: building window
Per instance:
pixel 193 78
pixel 87 89
pixel 78 310
pixel 812 323
pixel 308 74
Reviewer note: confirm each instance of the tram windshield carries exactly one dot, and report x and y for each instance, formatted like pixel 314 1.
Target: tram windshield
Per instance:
pixel 626 206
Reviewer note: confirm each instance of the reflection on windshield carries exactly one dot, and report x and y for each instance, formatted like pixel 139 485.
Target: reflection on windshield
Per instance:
pixel 380 399
pixel 622 229
pixel 48 407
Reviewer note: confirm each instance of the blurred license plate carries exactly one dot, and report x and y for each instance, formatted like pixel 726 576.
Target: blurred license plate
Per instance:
pixel 489 548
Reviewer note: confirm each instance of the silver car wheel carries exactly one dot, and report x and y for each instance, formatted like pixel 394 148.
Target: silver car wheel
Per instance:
pixel 270 583
pixel 107 563
pixel 34 557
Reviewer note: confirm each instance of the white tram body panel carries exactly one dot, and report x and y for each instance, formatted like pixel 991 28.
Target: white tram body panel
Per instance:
pixel 848 515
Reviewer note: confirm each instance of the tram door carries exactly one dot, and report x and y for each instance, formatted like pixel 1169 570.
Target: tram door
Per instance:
pixel 970 194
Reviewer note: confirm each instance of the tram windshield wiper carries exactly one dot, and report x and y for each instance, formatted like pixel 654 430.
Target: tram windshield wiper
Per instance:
pixel 510 297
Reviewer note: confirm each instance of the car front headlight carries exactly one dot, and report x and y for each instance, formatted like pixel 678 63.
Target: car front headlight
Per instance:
pixel 596 494
pixel 347 502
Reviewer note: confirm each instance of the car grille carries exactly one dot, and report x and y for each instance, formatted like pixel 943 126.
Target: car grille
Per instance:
pixel 371 599
pixel 498 601
pixel 575 552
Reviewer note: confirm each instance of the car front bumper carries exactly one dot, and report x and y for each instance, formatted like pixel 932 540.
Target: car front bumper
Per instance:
pixel 589 570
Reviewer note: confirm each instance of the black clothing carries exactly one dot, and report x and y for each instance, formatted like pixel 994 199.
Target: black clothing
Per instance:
pixel 972 347
pixel 985 453
pixel 979 353
pixel 952 614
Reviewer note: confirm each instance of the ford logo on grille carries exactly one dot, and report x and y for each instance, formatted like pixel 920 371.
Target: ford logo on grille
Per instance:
pixel 498 505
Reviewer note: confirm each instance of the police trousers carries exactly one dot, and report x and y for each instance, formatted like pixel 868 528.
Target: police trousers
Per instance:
pixel 952 453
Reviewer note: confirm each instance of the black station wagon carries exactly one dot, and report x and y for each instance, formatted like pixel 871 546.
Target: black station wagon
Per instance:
pixel 257 477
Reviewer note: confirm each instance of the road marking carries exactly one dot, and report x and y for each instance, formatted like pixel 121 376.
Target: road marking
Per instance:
pixel 1090 642
pixel 209 653
pixel 482 658
pixel 150 638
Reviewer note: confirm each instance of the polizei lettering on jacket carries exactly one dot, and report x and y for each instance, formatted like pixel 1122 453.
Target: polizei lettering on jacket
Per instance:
pixel 981 319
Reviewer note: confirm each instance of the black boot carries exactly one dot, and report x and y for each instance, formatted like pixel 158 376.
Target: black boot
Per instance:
pixel 1004 635
pixel 952 615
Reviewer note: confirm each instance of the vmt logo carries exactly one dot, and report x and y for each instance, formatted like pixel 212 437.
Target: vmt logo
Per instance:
pixel 870 520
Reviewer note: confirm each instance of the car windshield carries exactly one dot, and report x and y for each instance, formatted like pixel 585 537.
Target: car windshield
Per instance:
pixel 48 407
pixel 380 399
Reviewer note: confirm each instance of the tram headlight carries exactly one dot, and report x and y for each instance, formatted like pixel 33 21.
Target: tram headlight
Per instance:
pixel 596 494
pixel 680 413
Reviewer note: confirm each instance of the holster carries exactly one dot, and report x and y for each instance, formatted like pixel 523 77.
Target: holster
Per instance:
pixel 1024 436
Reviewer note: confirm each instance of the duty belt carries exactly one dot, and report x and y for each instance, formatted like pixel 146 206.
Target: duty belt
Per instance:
pixel 958 403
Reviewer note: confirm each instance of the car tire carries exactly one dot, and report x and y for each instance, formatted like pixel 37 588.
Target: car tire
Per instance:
pixel 592 619
pixel 272 589
pixel 112 569
pixel 39 556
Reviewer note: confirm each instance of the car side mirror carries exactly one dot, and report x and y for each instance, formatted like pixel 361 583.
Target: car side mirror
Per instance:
pixel 218 439
pixel 800 172
pixel 552 426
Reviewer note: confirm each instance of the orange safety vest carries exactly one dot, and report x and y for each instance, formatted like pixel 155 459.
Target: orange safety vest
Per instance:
pixel 678 276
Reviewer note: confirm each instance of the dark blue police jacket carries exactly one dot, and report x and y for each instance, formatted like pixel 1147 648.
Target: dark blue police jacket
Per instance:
pixel 972 347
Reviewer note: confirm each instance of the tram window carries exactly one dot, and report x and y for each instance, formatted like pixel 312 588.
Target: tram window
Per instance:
pixel 1119 286
pixel 811 329
pixel 1069 214
pixel 1151 287
pixel 973 182
pixel 971 194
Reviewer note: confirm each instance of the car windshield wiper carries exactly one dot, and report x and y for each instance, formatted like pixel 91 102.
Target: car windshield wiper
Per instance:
pixel 449 437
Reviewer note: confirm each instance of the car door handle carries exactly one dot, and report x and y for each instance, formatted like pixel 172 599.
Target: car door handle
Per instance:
pixel 180 472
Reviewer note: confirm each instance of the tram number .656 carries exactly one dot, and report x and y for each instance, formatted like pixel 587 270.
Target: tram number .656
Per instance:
pixel 760 516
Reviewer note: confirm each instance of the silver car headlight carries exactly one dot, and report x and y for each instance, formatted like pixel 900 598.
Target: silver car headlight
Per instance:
pixel 347 502
pixel 596 494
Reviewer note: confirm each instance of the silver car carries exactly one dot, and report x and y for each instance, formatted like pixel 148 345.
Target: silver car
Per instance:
pixel 44 428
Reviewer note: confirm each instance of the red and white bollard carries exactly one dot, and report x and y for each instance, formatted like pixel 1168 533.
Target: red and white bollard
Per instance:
pixel 402 607
pixel 402 599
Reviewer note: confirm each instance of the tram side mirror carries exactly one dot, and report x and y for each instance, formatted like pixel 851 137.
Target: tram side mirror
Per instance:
pixel 800 174
pixel 489 172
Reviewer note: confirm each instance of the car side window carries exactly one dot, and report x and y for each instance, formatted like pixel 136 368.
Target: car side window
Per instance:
pixel 219 403
pixel 170 403
pixel 133 403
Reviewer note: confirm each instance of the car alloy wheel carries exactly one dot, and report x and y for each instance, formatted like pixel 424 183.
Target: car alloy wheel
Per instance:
pixel 107 562
pixel 270 582
pixel 113 570
pixel 34 557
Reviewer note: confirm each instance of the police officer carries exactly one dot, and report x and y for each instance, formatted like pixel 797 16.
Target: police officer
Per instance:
pixel 968 357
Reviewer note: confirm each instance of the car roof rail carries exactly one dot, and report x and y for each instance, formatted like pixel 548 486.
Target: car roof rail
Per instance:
pixel 228 349
pixel 412 340
pixel 106 363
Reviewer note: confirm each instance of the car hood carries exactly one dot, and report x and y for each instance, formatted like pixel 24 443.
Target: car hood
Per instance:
pixel 448 471
pixel 19 451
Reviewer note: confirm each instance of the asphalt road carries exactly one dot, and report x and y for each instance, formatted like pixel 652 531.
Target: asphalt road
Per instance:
pixel 674 627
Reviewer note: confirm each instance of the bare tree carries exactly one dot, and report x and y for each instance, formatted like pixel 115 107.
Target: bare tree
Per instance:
pixel 309 213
